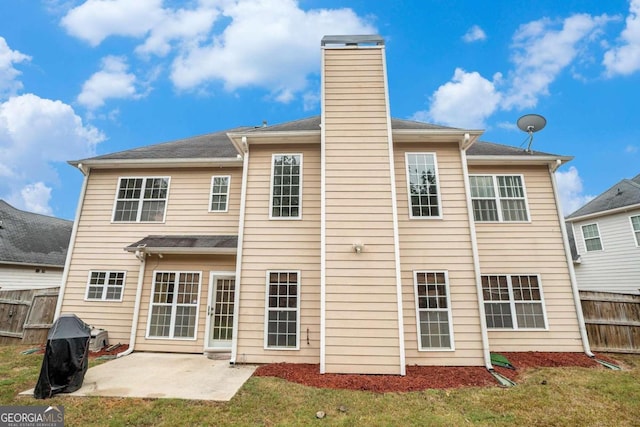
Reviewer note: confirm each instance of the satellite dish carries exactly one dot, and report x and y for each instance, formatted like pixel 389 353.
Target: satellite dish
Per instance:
pixel 531 123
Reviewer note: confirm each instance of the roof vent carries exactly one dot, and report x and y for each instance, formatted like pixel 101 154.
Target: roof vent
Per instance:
pixel 617 194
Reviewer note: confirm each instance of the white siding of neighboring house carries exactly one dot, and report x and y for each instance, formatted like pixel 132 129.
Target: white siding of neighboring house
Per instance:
pixel 13 277
pixel 617 267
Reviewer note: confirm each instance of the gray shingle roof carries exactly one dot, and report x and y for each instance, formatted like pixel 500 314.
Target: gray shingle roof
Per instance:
pixel 29 238
pixel 186 241
pixel 218 144
pixel 624 193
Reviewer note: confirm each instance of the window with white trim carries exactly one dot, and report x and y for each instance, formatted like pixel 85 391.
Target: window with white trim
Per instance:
pixel 433 310
pixel 498 198
pixel 635 226
pixel 282 313
pixel 141 199
pixel 513 302
pixel 591 236
pixel 174 305
pixel 286 186
pixel 105 285
pixel 422 182
pixel 219 200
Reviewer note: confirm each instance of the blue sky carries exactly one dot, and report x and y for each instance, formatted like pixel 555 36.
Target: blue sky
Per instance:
pixel 81 78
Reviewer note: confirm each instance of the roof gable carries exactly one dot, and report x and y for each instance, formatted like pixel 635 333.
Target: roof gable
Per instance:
pixel 29 238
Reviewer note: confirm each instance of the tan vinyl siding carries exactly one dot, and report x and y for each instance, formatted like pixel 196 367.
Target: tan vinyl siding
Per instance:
pixel 100 244
pixel 280 245
pixel 438 245
pixel 361 302
pixel 532 248
pixel 203 264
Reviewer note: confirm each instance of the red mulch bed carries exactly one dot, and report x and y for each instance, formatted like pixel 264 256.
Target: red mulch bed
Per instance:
pixel 423 377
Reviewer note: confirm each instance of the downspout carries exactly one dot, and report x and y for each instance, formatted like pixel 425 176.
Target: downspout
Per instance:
pixel 567 252
pixel 236 296
pixel 72 240
pixel 323 225
pixel 396 237
pixel 136 307
pixel 476 261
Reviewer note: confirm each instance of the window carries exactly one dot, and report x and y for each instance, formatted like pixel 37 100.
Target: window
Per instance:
pixel 174 305
pixel 433 310
pixel 286 186
pixel 513 302
pixel 591 236
pixel 105 285
pixel 283 292
pixel 635 226
pixel 141 200
pixel 422 182
pixel 219 194
pixel 498 198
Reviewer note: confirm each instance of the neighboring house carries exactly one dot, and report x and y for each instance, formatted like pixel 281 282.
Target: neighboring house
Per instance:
pixel 606 234
pixel 33 249
pixel 351 240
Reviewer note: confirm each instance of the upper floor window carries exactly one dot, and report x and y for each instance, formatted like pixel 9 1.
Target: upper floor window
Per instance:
pixel 219 200
pixel 498 198
pixel 422 181
pixel 635 225
pixel 286 186
pixel 513 302
pixel 105 285
pixel 591 235
pixel 141 199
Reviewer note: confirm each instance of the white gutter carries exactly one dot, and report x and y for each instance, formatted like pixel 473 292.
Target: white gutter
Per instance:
pixel 236 296
pixel 136 307
pixel 323 225
pixel 475 159
pixel 603 213
pixel 396 237
pixel 153 163
pixel 476 264
pixel 72 240
pixel 572 273
pixel 175 250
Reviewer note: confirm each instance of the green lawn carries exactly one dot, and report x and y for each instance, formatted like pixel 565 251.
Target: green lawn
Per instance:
pixel 543 397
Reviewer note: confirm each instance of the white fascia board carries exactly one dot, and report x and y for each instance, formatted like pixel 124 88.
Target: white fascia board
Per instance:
pixel 516 160
pixel 155 163
pixel 174 250
pixel 299 137
pixel 31 264
pixel 604 213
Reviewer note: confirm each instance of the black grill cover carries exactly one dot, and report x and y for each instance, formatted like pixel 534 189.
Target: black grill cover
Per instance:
pixel 66 357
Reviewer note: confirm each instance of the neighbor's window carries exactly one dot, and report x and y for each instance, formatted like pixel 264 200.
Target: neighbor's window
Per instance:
pixel 591 235
pixel 498 198
pixel 105 285
pixel 422 181
pixel 141 199
pixel 513 302
pixel 219 201
pixel 174 305
pixel 286 186
pixel 282 313
pixel 635 225
pixel 434 311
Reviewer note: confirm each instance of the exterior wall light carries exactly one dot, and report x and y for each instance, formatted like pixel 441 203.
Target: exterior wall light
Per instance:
pixel 358 247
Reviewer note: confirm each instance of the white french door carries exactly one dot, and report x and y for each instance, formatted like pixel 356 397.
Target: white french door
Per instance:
pixel 220 312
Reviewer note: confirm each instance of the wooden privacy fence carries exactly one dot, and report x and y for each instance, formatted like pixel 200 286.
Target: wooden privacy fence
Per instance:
pixel 612 321
pixel 27 315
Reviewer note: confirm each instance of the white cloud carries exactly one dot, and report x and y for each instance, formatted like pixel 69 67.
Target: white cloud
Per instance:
pixel 571 191
pixel 112 81
pixel 625 59
pixel 9 85
pixel 268 43
pixel 541 52
pixel 466 101
pixel 95 20
pixel 35 198
pixel 35 134
pixel 474 34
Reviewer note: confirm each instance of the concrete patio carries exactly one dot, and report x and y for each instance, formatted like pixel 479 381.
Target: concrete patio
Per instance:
pixel 164 375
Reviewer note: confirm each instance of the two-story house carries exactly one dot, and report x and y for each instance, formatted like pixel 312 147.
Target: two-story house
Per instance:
pixel 350 240
pixel 606 234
